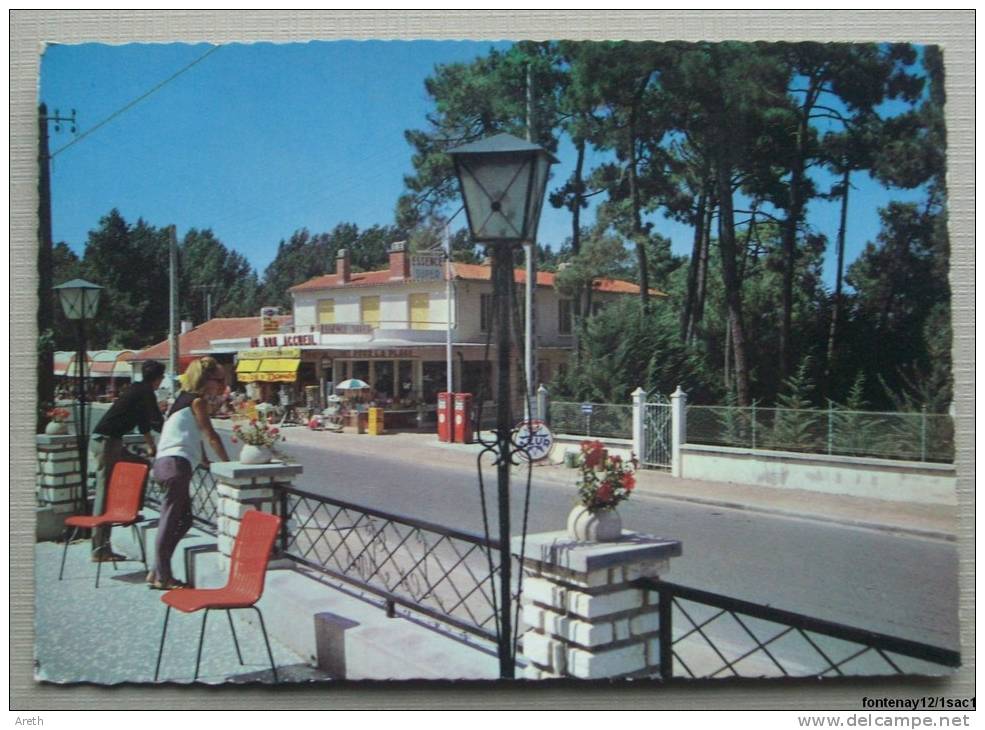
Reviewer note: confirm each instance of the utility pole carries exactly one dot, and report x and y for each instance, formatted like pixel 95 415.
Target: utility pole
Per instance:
pixel 173 309
pixel 529 355
pixel 207 288
pixel 46 307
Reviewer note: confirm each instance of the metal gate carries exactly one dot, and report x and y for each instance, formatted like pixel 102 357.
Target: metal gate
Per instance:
pixel 656 435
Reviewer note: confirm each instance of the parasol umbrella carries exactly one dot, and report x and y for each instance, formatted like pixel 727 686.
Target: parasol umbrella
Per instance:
pixel 352 384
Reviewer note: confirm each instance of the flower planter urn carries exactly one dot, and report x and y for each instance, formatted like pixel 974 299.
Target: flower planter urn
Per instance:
pixel 56 428
pixel 585 525
pixel 255 454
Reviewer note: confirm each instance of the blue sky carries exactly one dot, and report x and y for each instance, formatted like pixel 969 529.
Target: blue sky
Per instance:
pixel 259 140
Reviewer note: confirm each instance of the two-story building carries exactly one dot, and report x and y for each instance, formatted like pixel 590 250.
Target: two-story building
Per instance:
pixel 389 328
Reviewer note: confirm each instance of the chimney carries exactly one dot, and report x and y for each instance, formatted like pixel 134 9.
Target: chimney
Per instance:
pixel 186 326
pixel 343 266
pixel 399 261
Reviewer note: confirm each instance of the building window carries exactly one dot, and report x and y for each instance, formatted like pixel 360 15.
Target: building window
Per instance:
pixel 420 307
pixel 485 312
pixel 434 380
pixel 326 311
pixel 564 317
pixel 369 311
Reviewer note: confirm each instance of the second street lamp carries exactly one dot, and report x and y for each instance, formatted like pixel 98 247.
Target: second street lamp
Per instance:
pixel 80 300
pixel 503 179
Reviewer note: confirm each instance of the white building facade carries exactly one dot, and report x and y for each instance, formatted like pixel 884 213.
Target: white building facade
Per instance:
pixel 390 329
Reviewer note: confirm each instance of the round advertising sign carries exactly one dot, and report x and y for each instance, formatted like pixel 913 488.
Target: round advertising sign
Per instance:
pixel 535 438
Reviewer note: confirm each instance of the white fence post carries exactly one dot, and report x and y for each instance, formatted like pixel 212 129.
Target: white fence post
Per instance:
pixel 678 429
pixel 639 402
pixel 542 395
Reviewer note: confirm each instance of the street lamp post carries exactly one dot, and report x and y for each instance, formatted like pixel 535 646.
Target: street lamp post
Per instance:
pixel 80 300
pixel 502 180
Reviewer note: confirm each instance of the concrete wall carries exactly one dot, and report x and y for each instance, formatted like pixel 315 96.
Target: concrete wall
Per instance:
pixel 904 481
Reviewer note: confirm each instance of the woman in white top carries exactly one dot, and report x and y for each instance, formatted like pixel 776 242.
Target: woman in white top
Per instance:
pixel 180 448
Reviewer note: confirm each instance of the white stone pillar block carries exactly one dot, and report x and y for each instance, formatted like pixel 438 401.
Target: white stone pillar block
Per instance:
pixel 678 429
pixel 242 487
pixel 58 479
pixel 584 616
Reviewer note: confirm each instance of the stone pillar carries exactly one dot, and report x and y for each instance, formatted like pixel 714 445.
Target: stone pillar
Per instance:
pixel 584 617
pixel 678 430
pixel 58 478
pixel 242 487
pixel 639 411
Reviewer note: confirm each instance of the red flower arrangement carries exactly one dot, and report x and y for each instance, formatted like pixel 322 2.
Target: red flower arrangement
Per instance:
pixel 258 432
pixel 605 480
pixel 58 415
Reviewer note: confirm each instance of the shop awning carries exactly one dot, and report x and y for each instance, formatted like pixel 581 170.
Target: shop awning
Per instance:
pixel 268 370
pixel 247 366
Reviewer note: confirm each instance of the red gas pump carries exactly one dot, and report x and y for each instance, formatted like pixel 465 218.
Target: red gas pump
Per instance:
pixel 464 433
pixel 444 416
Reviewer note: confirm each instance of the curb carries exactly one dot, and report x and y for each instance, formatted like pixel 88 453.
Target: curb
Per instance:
pixel 813 517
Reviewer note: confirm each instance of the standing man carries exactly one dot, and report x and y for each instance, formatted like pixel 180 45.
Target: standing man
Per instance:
pixel 136 408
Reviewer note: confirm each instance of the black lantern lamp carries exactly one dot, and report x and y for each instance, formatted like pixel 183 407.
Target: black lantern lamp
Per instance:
pixel 80 301
pixel 503 180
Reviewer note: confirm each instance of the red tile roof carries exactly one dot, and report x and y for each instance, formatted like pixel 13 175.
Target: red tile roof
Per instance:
pixel 200 338
pixel 480 272
pixel 328 281
pixel 464 272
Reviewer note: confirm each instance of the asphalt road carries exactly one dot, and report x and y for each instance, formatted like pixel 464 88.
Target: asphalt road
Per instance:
pixel 887 582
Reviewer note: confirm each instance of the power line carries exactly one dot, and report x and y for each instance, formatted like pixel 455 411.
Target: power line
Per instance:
pixel 136 101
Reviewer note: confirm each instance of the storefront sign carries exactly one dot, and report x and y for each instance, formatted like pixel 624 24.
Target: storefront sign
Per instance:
pixel 345 329
pixel 535 438
pixel 427 267
pixel 392 354
pixel 268 320
pixel 282 340
pixel 259 354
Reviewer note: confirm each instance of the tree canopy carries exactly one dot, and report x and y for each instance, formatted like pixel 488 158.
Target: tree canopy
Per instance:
pixel 735 140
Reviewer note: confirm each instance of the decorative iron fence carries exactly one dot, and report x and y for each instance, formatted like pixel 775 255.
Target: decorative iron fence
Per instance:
pixel 905 436
pixel 205 498
pixel 705 635
pixel 604 420
pixel 436 571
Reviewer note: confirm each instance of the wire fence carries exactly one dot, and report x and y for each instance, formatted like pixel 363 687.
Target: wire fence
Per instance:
pixel 919 436
pixel 592 420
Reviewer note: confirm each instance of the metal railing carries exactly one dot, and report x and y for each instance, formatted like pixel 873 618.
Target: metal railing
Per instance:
pixel 706 635
pixel 904 436
pixel 204 496
pixel 432 570
pixel 606 420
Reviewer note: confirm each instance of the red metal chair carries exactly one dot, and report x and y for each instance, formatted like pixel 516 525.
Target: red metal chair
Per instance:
pixel 247 571
pixel 124 495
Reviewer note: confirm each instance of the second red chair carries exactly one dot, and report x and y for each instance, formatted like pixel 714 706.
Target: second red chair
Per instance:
pixel 247 571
